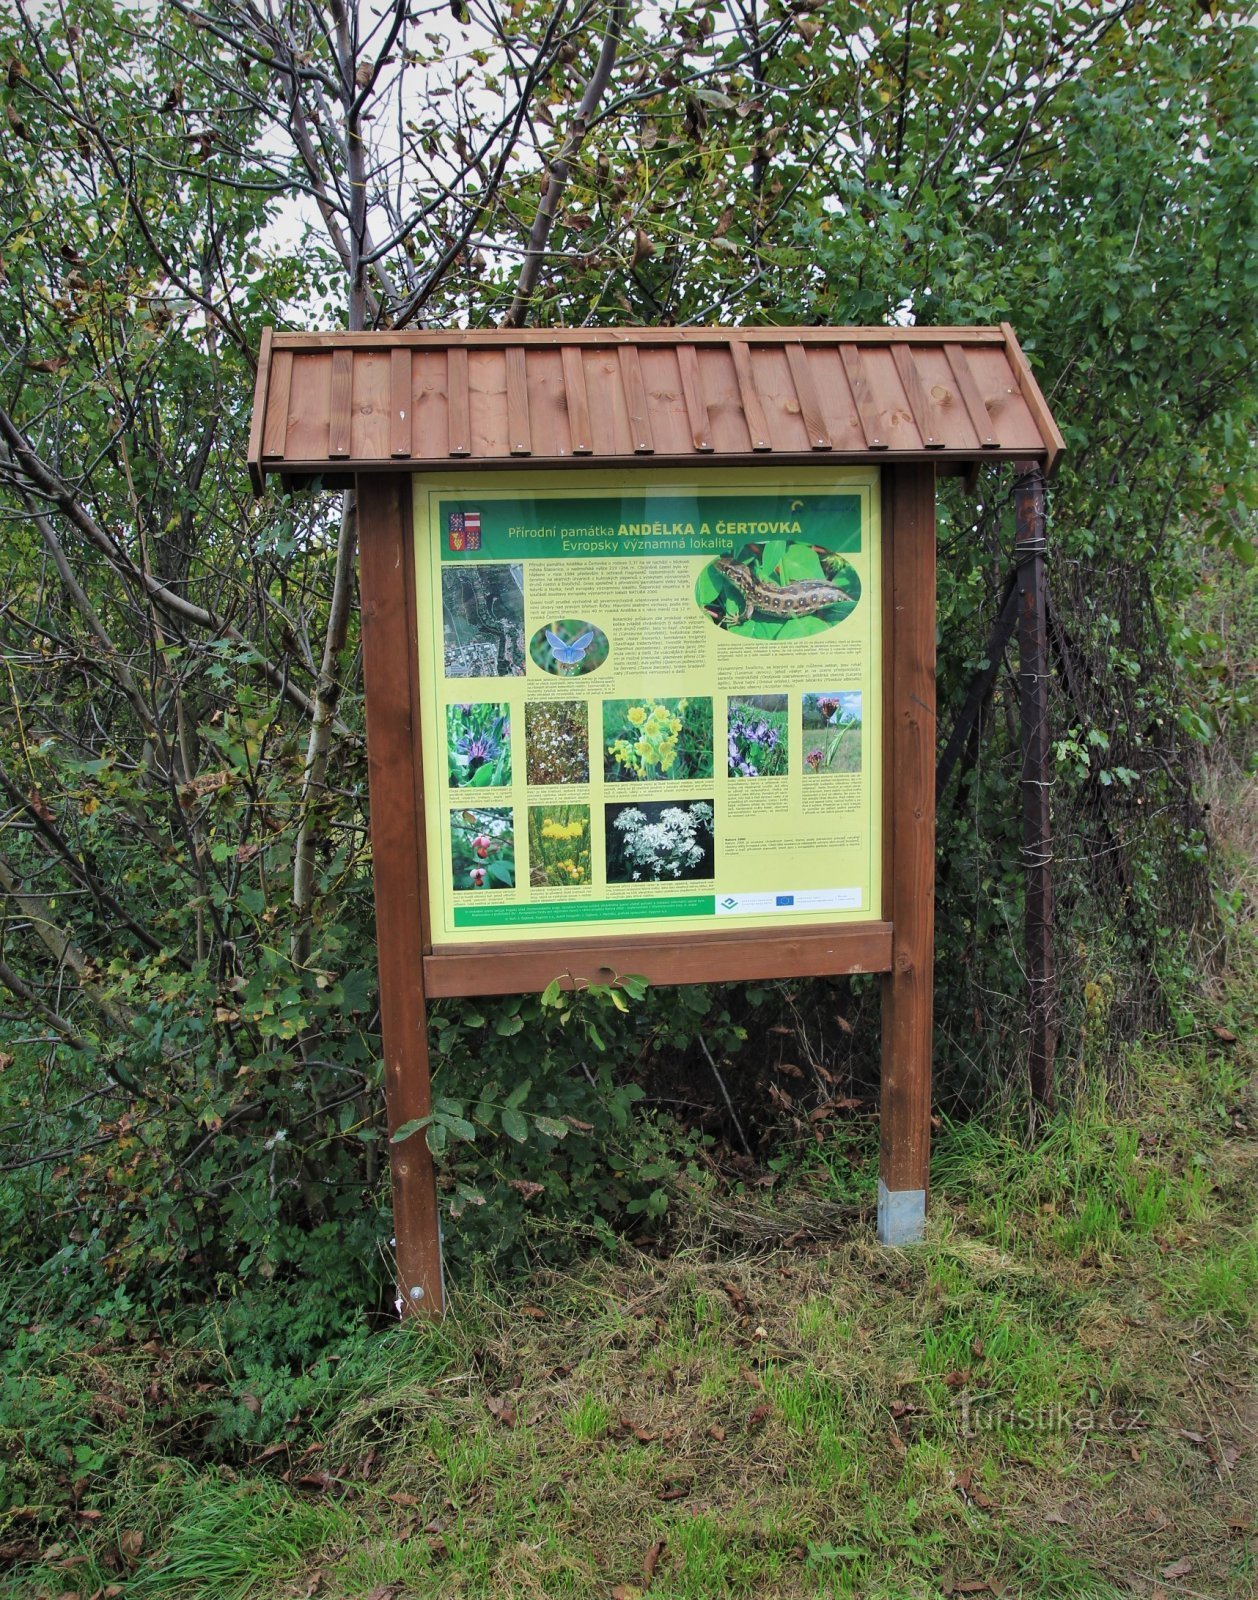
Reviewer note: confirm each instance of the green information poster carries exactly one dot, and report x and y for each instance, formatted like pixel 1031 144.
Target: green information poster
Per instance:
pixel 649 701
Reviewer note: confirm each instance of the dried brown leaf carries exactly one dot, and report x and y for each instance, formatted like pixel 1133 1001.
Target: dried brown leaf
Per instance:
pixel 643 246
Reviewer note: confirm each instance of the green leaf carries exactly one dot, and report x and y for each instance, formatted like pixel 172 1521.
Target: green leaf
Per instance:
pixel 506 1026
pixel 514 1124
pixel 457 1127
pixel 408 1128
pixel 551 1126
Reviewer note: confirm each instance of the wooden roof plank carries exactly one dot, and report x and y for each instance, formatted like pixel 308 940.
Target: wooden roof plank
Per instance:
pixel 666 404
pixel 635 401
pixel 275 433
pixel 948 412
pixel 692 393
pixel 862 395
pixel 834 395
pixel 548 414
pixel 576 399
pixel 470 338
pixel 457 401
pixel 400 384
pixel 487 398
pixel 309 392
pixel 261 383
pixel 370 406
pixel 782 411
pixel 430 436
pixel 753 411
pixel 1002 394
pixel 806 393
pixel 519 433
pixel 609 419
pixel 1034 400
pixel 975 405
pixel 719 384
pixel 918 399
pixel 341 415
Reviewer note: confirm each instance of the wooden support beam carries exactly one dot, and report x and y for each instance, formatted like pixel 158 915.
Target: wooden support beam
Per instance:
pixel 1037 837
pixel 390 673
pixel 908 848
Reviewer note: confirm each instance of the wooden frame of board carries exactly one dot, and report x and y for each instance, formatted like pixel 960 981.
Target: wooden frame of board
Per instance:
pixel 370 410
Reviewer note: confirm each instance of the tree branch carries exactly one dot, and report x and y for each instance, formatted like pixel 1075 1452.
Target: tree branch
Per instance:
pixel 31 469
pixel 558 170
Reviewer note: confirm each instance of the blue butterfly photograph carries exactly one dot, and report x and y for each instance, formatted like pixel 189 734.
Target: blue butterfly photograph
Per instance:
pixel 569 647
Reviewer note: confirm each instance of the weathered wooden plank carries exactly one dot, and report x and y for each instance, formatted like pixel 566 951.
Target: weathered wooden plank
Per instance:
pixel 783 414
pixel 487 388
pixel 635 401
pixel 458 406
pixel 719 385
pixel 753 411
pixel 389 672
pixel 430 438
pixel 998 384
pixel 1034 400
pixel 909 828
pixel 692 393
pixel 370 406
pixel 806 394
pixel 400 384
pixel 863 398
pixel 976 407
pixel 915 394
pixel 519 433
pixel 834 396
pixel 662 959
pixel 260 383
pixel 548 413
pixel 340 416
pixel 309 390
pixel 948 411
pixel 576 400
pixel 666 405
pixel 609 415
pixel 470 338
pixel 275 432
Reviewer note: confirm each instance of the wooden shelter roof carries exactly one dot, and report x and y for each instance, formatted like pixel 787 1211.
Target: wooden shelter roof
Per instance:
pixel 331 405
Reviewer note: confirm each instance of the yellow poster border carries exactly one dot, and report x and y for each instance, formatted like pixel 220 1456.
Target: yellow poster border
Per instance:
pixel 427 490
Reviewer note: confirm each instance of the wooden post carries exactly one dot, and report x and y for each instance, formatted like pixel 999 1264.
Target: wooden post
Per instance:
pixel 390 673
pixel 908 848
pixel 1037 839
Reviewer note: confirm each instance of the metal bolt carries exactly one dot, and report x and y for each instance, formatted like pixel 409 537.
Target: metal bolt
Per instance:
pixel 417 1293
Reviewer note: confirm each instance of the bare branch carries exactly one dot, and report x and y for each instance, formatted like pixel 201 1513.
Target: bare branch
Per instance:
pixel 41 477
pixel 558 170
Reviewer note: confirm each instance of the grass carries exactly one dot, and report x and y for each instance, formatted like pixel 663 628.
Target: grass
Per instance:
pixel 1049 1397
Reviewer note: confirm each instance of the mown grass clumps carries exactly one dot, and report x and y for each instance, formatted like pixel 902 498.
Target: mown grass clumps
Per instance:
pixel 1047 1398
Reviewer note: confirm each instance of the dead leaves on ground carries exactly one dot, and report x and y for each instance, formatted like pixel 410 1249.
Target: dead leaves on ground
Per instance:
pixel 650 1561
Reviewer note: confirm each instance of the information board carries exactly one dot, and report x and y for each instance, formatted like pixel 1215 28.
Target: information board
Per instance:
pixel 649 703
